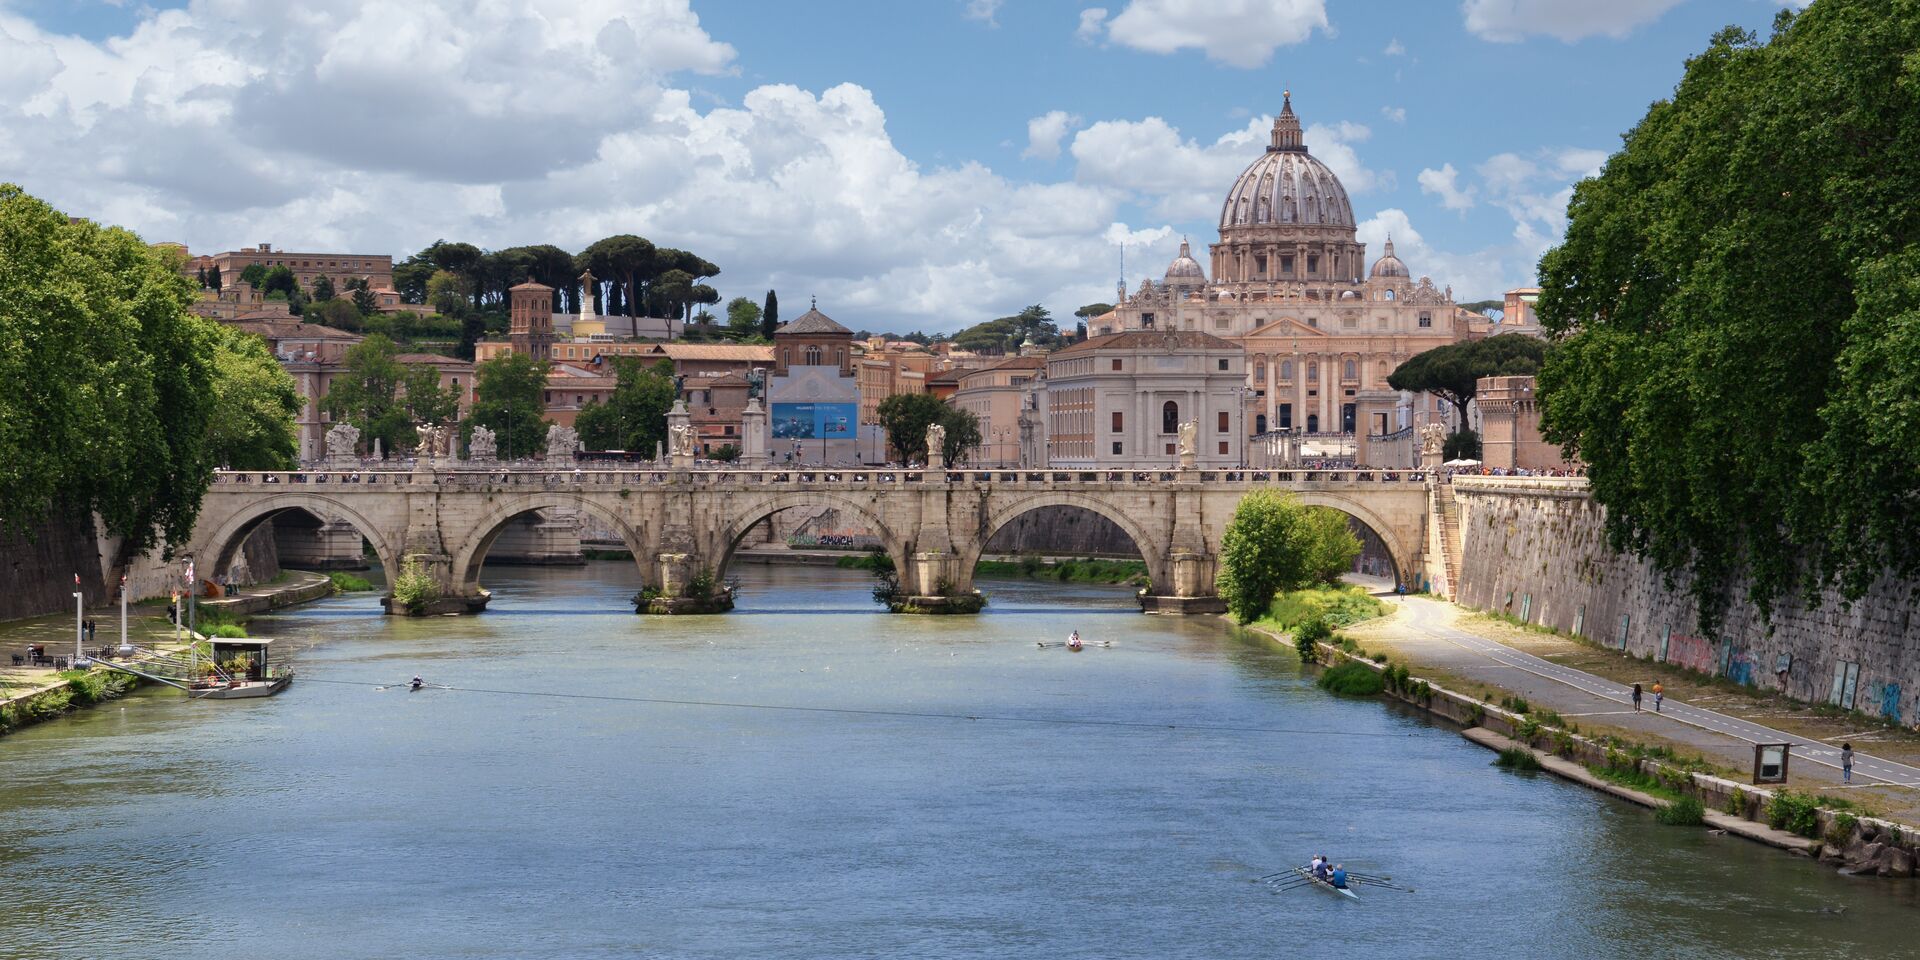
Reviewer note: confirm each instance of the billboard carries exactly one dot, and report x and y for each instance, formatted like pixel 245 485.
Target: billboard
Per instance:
pixel 814 421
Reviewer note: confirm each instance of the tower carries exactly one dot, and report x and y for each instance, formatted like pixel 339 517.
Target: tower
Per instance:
pixel 530 320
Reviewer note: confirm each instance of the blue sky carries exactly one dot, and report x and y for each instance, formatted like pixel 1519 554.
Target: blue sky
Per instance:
pixel 915 165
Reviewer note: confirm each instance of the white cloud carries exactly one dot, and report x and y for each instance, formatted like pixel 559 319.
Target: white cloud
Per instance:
pixel 1444 183
pixel 1472 276
pixel 1510 21
pixel 1395 114
pixel 1093 23
pixel 1240 33
pixel 1395 48
pixel 983 11
pixel 527 121
pixel 1044 133
pixel 1334 146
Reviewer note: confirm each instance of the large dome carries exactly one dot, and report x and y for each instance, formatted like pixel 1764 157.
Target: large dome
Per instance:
pixel 1286 185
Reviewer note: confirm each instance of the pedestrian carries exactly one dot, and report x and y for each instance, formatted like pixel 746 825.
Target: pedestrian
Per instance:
pixel 1636 697
pixel 1846 763
pixel 1659 694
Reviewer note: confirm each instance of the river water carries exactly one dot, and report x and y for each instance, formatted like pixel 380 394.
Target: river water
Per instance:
pixel 342 821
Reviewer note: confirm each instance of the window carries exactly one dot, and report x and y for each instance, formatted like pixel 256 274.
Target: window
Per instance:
pixel 813 355
pixel 1286 370
pixel 1313 372
pixel 1386 295
pixel 1313 322
pixel 1426 319
pixel 1223 363
pixel 1260 265
pixel 1286 266
pixel 1223 448
pixel 1146 321
pixel 1260 372
pixel 1346 417
pixel 1116 448
pixel 1313 423
pixel 1351 371
pixel 1286 416
pixel 1116 363
pixel 1347 323
pixel 1224 422
pixel 1313 264
pixel 1119 422
pixel 1170 417
pixel 1220 323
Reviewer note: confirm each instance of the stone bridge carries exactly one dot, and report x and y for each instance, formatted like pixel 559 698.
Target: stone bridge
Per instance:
pixel 683 525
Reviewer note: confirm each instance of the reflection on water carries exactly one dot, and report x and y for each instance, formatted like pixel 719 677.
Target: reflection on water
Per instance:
pixel 340 820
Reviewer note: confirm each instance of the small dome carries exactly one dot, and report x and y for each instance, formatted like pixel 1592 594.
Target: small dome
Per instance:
pixel 1185 270
pixel 1390 266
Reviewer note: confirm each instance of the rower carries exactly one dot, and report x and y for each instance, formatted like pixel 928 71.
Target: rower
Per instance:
pixel 416 684
pixel 1073 640
pixel 1339 877
pixel 1313 866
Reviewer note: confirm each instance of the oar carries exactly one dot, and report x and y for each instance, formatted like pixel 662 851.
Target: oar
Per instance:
pixel 1377 883
pixel 1280 874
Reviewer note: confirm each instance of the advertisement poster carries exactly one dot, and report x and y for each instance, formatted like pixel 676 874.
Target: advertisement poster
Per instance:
pixel 814 421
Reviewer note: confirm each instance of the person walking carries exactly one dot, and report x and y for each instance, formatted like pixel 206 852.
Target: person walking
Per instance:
pixel 1846 763
pixel 1636 698
pixel 1659 694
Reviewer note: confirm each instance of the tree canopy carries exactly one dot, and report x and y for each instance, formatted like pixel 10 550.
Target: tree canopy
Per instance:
pixel 107 382
pixel 1739 357
pixel 1005 334
pixel 366 393
pixel 1275 543
pixel 770 315
pixel 635 416
pixel 1450 372
pixel 509 399
pixel 251 425
pixel 906 417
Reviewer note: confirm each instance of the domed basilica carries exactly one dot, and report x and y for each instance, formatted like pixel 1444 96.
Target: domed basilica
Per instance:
pixel 1290 284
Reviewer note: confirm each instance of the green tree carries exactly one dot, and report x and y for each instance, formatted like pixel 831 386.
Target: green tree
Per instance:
pixel 635 415
pixel 322 288
pixel 213 278
pixel 509 393
pixel 743 318
pixel 629 262
pixel 366 394
pixel 1461 445
pixel 428 401
pixel 251 425
pixel 254 274
pixel 1451 372
pixel 202 276
pixel 906 417
pixel 1274 543
pixel 337 313
pixel 280 280
pixel 770 315
pixel 1734 300
pixel 106 379
pixel 364 301
pixel 1092 310
pixel 1006 334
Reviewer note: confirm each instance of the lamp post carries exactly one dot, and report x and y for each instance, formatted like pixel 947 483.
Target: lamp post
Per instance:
pixel 79 619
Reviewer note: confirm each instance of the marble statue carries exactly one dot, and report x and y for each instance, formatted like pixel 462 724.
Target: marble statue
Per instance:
pixel 1433 437
pixel 342 441
pixel 680 440
pixel 936 441
pixel 561 443
pixel 482 445
pixel 1189 438
pixel 432 438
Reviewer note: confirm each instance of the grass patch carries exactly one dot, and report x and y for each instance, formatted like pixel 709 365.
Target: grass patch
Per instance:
pixel 348 583
pixel 1351 679
pixel 1684 812
pixel 1083 570
pixel 598 553
pixel 1518 759
pixel 864 561
pixel 1338 606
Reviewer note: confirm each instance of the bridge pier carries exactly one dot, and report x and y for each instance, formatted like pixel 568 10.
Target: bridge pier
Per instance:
pixel 681 583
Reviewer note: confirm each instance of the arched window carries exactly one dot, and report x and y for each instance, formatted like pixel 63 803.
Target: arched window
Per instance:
pixel 813 355
pixel 1260 372
pixel 1313 372
pixel 1170 417
pixel 1259 423
pixel 1352 371
pixel 1286 370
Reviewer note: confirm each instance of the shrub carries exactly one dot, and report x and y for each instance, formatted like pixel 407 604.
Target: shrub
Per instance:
pixel 348 583
pixel 228 631
pixel 1794 813
pixel 415 587
pixel 700 584
pixel 1518 759
pixel 1840 831
pixel 1516 704
pixel 1351 679
pixel 1737 802
pixel 1307 635
pixel 1684 812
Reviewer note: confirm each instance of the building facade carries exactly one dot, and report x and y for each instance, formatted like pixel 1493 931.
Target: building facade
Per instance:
pixel 996 395
pixel 1118 400
pixel 813 395
pixel 376 269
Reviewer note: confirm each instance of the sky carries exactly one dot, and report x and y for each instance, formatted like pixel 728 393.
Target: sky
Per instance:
pixel 914 165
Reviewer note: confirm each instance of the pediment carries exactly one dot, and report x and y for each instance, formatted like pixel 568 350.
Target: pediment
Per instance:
pixel 1287 327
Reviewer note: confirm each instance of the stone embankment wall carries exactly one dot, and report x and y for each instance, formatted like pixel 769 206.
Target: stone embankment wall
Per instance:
pixel 37 568
pixel 1535 549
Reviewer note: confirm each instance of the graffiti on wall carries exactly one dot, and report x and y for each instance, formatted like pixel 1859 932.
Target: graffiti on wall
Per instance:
pixel 1890 701
pixel 1694 653
pixel 1740 667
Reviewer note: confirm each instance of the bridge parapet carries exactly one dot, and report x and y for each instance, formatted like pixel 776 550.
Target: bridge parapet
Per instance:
pixel 464 480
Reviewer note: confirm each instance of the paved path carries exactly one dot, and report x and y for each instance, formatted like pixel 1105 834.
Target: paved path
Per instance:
pixel 1429 619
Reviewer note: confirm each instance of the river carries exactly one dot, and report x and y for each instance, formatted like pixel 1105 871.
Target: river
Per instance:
pixel 565 816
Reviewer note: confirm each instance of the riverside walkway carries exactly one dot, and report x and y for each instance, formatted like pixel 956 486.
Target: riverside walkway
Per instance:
pixel 1423 630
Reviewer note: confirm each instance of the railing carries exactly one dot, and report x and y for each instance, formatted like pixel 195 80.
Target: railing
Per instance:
pixel 464 478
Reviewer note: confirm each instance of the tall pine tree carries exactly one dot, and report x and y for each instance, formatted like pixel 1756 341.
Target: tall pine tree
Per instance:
pixel 770 315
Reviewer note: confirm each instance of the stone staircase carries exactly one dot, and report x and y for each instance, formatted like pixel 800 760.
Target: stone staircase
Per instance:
pixel 1446 519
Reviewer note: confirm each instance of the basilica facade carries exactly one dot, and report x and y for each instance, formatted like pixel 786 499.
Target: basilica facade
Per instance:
pixel 1290 283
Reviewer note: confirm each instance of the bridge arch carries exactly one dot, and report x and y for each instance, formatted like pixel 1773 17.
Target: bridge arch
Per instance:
pixel 1154 550
pixel 754 512
pixel 216 550
pixel 470 553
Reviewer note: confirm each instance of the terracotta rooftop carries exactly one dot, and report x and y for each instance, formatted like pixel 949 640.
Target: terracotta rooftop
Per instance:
pixel 280 328
pixel 734 352
pixel 437 359
pixel 813 322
